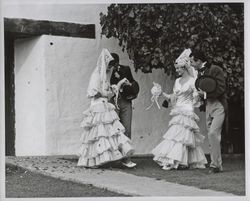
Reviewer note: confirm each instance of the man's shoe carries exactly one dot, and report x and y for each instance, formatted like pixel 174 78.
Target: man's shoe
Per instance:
pixel 182 167
pixel 129 164
pixel 214 170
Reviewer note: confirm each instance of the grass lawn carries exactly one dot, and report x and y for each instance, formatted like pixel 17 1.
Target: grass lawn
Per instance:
pixel 231 180
pixel 22 184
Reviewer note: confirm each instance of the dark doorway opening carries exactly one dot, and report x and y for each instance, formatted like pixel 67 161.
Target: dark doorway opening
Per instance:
pixel 9 94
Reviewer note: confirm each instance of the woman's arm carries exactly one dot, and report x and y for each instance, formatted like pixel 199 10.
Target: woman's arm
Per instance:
pixel 167 96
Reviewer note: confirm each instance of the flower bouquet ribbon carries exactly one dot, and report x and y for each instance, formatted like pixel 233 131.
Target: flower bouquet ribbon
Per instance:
pixel 156 92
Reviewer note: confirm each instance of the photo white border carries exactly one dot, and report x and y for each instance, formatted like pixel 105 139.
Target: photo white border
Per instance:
pixel 247 100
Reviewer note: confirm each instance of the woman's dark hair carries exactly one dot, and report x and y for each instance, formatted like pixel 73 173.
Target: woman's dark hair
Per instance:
pixel 198 55
pixel 116 57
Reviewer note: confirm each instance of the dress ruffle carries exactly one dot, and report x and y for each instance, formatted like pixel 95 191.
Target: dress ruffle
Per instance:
pixel 103 139
pixel 99 113
pixel 170 152
pixel 181 144
pixel 182 111
pixel 196 158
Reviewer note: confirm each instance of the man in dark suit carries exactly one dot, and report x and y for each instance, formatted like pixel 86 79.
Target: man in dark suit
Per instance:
pixel 215 106
pixel 129 91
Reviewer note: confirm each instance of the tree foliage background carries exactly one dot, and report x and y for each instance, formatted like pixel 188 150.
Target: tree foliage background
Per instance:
pixel 155 34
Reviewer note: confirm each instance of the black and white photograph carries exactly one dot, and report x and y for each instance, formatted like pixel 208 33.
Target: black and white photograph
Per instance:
pixel 129 100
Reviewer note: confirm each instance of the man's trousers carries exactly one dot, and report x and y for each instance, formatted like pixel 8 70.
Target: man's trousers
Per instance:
pixel 215 116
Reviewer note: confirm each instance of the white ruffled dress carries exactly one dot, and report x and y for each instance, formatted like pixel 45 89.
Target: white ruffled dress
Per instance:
pixel 103 139
pixel 181 144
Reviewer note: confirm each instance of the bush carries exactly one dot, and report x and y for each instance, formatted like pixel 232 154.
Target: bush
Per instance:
pixel 155 34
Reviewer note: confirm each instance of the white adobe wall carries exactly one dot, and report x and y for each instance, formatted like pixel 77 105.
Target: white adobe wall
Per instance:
pixel 67 67
pixel 69 63
pixel 30 97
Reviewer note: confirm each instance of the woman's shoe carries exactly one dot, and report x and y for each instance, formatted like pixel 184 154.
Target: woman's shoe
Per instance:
pixel 129 164
pixel 165 167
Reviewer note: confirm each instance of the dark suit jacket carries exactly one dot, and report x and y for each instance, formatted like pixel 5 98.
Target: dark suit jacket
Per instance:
pixel 128 91
pixel 220 92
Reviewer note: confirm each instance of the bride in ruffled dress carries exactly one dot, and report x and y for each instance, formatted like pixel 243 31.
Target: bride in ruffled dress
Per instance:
pixel 181 143
pixel 103 139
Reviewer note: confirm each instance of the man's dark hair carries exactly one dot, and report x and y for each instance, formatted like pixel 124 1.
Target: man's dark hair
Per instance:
pixel 116 57
pixel 198 55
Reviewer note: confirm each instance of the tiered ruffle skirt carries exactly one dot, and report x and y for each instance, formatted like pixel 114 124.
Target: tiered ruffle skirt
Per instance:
pixel 181 144
pixel 103 139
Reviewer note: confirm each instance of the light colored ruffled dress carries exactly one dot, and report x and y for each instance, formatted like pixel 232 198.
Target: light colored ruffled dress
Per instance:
pixel 181 143
pixel 103 139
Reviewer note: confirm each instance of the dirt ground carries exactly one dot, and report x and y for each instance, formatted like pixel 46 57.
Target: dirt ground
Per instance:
pixel 21 183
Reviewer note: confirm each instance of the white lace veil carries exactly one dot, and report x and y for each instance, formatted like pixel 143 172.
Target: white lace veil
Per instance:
pixel 98 78
pixel 184 60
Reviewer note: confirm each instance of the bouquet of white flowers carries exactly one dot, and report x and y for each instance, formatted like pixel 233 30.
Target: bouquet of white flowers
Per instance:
pixel 156 91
